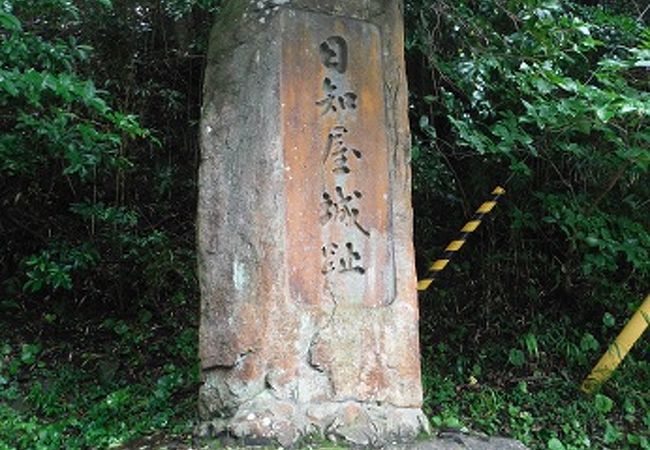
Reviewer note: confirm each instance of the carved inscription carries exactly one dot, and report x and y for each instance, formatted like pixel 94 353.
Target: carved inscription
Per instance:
pixel 339 151
pixel 334 53
pixel 336 160
pixel 335 100
pixel 340 208
pixel 341 259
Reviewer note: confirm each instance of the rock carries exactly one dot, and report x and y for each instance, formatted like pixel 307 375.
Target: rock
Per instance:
pixel 309 315
pixel 460 441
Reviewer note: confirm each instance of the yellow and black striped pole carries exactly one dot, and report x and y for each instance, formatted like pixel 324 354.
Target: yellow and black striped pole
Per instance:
pixel 456 245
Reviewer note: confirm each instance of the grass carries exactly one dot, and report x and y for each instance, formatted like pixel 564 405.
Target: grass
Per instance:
pixel 95 384
pixel 544 410
pixel 516 371
pixel 107 382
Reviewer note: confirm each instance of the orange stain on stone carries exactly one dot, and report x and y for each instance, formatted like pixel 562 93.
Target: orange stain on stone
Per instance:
pixel 353 251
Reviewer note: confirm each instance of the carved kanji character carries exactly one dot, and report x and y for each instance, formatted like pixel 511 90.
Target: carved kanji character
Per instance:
pixel 339 150
pixel 334 53
pixel 341 259
pixel 342 207
pixel 335 101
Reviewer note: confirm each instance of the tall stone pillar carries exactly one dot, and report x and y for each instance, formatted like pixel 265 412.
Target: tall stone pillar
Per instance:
pixel 309 318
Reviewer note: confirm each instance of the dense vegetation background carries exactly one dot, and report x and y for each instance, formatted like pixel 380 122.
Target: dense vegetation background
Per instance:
pixel 99 104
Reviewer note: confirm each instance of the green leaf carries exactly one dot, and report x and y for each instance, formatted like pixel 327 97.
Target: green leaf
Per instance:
pixel 9 21
pixel 28 353
pixel 98 104
pixel 603 403
pixel 569 85
pixel 612 434
pixel 516 357
pixel 9 86
pixel 589 343
pixel 416 151
pixel 542 85
pixel 89 90
pixel 605 113
pixel 530 342
pixel 555 444
pixel 521 168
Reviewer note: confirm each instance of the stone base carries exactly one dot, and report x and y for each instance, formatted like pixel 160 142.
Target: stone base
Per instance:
pixel 267 421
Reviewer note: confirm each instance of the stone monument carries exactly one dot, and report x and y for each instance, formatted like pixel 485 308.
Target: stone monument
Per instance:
pixel 309 317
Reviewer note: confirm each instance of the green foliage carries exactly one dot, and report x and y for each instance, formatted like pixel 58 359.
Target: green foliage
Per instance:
pixel 552 96
pixel 541 406
pixel 58 117
pixel 97 291
pixel 100 396
pixel 603 403
pixel 550 99
pixel 80 217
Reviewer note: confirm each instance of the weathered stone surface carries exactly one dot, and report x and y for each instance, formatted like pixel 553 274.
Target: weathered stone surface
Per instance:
pixel 461 441
pixel 309 308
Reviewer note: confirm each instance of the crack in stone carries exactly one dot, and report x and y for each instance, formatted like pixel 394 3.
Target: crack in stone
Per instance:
pixel 316 335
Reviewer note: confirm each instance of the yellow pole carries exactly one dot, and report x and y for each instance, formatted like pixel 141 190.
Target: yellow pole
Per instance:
pixel 619 349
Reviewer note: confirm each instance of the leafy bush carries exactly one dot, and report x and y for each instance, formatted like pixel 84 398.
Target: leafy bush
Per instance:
pixel 549 98
pixel 552 97
pixel 77 224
